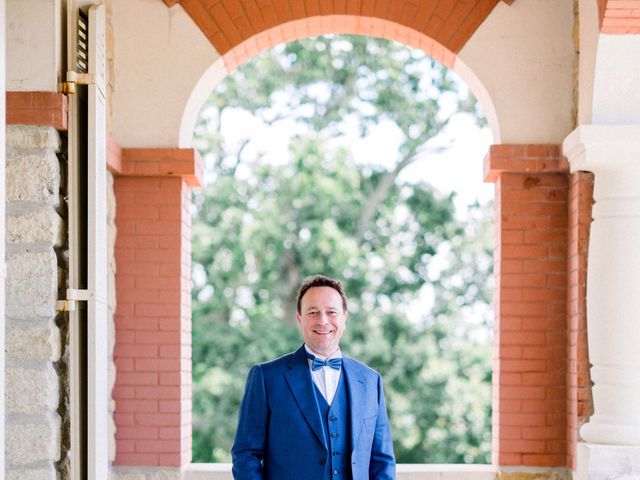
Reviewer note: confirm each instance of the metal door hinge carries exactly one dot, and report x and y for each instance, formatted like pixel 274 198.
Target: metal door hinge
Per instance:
pixel 73 296
pixel 73 80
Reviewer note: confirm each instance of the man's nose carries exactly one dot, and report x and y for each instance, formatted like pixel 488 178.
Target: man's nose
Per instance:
pixel 324 317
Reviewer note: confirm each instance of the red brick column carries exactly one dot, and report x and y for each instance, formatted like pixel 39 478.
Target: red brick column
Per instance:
pixel 153 315
pixel 579 401
pixel 530 353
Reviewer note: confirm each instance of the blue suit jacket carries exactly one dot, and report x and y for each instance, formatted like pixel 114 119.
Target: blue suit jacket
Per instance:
pixel 280 434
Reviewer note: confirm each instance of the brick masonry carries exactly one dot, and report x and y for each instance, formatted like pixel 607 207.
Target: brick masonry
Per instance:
pixel 619 17
pixel 152 350
pixel 239 30
pixel 579 401
pixel 346 24
pixel 530 353
pixel 37 108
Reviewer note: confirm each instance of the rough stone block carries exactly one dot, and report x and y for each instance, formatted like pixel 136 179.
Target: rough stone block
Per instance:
pixel 33 176
pixel 34 226
pixel 112 301
pixel 148 473
pixel 166 475
pixel 112 434
pixel 32 282
pixel 111 199
pixel 113 475
pixel 26 137
pixel 532 473
pixel 30 390
pixel 33 343
pixel 33 442
pixel 43 473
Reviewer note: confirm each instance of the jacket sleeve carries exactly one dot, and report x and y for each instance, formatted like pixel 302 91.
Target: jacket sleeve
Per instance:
pixel 249 444
pixel 382 465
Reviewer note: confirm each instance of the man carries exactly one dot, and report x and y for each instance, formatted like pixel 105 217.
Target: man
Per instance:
pixel 314 414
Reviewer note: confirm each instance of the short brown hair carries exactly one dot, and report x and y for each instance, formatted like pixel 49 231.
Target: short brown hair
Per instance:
pixel 320 281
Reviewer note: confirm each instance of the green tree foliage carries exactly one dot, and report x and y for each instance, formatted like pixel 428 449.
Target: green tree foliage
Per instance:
pixel 417 277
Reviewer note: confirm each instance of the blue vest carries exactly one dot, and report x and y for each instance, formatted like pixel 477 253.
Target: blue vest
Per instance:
pixel 335 422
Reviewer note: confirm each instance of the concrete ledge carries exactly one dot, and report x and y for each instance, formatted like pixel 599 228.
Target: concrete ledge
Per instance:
pixel 222 471
pixel 605 462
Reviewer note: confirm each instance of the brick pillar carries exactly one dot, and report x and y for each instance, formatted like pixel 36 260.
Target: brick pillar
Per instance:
pixel 579 401
pixel 530 368
pixel 153 315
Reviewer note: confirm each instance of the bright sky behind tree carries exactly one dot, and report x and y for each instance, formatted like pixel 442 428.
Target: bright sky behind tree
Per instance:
pixel 452 162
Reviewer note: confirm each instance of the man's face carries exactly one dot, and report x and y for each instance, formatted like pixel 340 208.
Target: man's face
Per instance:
pixel 322 319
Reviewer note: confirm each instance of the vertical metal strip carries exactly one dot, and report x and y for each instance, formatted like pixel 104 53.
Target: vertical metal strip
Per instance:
pixel 97 333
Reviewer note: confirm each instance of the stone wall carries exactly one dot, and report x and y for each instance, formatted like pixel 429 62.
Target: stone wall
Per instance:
pixel 146 473
pixel 111 306
pixel 36 271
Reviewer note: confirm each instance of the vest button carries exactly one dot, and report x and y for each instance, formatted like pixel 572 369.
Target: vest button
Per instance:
pixel 335 472
pixel 334 435
pixel 332 418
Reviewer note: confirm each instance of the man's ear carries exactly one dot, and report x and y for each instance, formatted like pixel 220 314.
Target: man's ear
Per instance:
pixel 298 317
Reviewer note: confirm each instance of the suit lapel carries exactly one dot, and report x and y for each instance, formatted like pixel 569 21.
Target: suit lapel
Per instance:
pixel 357 397
pixel 301 385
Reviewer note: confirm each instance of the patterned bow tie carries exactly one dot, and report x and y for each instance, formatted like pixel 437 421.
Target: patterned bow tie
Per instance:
pixel 318 363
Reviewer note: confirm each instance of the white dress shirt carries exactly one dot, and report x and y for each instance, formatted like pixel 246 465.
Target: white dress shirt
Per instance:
pixel 325 378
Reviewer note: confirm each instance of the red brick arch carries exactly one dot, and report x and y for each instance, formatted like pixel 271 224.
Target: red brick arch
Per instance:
pixel 228 23
pixel 349 24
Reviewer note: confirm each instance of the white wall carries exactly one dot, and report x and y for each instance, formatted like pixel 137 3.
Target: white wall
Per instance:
pixel 589 30
pixel 160 54
pixel 523 55
pixel 34 32
pixel 616 86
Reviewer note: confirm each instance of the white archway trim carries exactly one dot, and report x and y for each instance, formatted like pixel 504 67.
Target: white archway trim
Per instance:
pixel 482 95
pixel 203 88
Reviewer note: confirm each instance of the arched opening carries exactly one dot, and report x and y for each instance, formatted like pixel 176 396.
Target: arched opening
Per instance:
pixel 344 24
pixel 431 336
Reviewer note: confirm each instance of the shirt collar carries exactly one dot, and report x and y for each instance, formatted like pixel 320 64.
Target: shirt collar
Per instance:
pixel 337 354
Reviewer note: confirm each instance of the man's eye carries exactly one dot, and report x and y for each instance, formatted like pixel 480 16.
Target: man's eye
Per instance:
pixel 312 312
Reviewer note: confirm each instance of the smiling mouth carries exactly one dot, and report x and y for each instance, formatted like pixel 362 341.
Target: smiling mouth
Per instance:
pixel 317 332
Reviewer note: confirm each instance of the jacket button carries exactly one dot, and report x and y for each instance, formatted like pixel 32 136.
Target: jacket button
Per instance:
pixel 323 461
